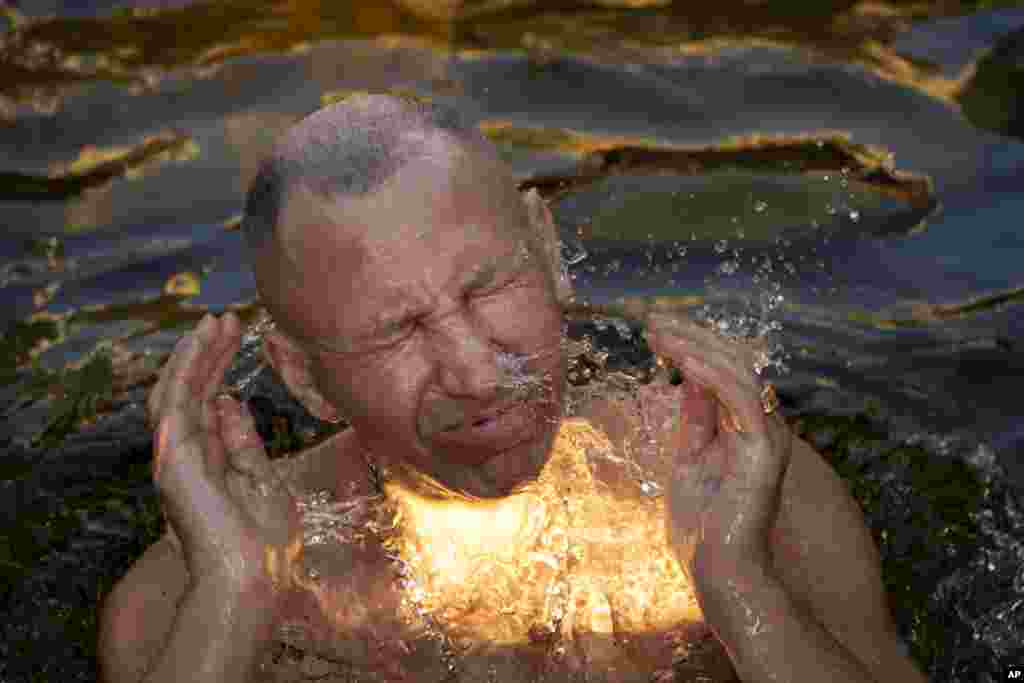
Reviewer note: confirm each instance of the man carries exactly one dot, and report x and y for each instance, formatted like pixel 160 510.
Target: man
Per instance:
pixel 417 295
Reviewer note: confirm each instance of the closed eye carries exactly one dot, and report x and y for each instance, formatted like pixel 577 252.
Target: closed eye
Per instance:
pixel 507 282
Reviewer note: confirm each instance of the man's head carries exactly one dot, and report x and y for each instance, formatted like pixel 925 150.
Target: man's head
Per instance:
pixel 415 291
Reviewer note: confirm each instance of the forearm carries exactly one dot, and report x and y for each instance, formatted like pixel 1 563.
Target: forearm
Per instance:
pixel 217 636
pixel 769 637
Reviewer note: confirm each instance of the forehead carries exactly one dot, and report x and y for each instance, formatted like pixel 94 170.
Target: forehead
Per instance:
pixel 435 227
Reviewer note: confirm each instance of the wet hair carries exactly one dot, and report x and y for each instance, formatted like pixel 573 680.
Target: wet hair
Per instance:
pixel 348 149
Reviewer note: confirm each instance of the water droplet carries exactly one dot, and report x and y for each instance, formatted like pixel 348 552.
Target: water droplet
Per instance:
pixel 760 206
pixel 854 216
pixel 650 489
pixel 572 253
pixel 728 267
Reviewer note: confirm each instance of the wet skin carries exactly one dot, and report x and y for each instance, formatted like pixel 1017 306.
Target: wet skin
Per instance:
pixel 397 321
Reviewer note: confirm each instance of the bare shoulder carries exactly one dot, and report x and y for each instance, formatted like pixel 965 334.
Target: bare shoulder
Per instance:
pixel 137 614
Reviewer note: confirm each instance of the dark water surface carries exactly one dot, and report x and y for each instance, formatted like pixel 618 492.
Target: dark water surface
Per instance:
pixel 847 185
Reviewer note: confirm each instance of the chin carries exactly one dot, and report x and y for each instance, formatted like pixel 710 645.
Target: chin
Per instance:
pixel 502 475
pixel 519 467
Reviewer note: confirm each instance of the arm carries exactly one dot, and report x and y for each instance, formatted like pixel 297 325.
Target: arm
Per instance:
pixel 728 511
pixel 157 626
pixel 202 602
pixel 136 616
pixel 770 637
pixel 217 634
pixel 825 557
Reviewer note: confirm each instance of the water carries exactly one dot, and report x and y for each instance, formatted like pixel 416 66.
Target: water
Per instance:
pixel 887 316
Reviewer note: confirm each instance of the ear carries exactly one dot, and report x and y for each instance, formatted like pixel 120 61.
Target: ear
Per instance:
pixel 294 366
pixel 543 224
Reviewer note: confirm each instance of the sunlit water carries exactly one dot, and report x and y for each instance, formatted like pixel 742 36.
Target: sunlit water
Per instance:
pixel 573 574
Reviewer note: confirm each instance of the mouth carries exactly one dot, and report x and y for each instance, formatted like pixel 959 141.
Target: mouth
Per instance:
pixel 481 419
pixel 493 430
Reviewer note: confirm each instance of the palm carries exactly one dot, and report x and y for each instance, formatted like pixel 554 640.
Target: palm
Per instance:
pixel 222 498
pixel 731 457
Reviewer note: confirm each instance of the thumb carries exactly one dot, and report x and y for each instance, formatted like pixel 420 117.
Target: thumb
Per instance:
pixel 698 426
pixel 244 446
pixel 698 422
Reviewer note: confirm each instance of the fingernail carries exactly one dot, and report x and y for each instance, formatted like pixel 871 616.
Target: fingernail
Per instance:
pixel 223 404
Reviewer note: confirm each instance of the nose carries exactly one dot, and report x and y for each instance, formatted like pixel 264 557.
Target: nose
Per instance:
pixel 467 359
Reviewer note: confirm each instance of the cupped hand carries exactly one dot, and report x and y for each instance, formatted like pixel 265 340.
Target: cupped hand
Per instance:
pixel 228 511
pixel 731 457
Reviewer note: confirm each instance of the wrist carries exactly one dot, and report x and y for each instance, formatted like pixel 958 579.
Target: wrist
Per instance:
pixel 256 593
pixel 716 577
pixel 710 561
pixel 731 600
pixel 771 636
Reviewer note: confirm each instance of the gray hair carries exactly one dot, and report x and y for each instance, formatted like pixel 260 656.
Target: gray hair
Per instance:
pixel 348 149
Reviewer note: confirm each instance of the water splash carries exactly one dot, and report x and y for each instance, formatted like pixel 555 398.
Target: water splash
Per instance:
pixel 572 252
pixel 325 519
pixel 620 326
pixel 756 328
pixel 514 373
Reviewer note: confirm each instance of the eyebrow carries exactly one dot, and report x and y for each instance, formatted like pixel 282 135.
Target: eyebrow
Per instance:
pixel 385 324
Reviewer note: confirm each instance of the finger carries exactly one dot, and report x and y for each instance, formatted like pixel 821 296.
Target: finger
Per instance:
pixel 245 451
pixel 723 368
pixel 205 380
pixel 177 457
pixel 739 396
pixel 170 534
pixel 184 353
pixel 712 349
pixel 187 386
pixel 227 346
pixel 157 401
pixel 669 329
pixel 162 443
pixel 698 421
pixel 677 346
pixel 681 339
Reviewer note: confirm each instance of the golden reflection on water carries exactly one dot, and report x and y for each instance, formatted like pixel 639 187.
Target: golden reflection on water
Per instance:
pixel 572 576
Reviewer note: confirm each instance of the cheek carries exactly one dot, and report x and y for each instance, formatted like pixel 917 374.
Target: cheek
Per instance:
pixel 375 393
pixel 330 384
